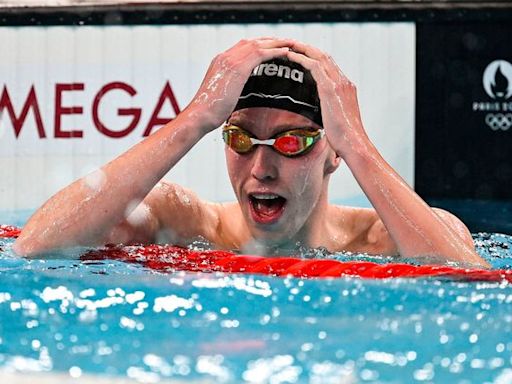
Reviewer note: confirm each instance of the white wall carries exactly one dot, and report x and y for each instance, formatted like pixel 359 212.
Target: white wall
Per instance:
pixel 377 57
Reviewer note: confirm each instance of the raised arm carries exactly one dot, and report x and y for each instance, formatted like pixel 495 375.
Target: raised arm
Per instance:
pixel 91 209
pixel 416 229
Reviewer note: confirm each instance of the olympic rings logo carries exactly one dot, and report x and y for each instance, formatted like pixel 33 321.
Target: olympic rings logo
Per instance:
pixel 498 121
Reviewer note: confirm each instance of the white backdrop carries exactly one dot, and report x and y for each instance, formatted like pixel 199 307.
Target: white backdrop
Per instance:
pixel 378 57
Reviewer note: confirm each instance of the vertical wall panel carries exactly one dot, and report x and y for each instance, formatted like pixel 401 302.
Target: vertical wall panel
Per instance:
pixel 90 61
pixel 174 48
pixel 8 154
pixel 203 48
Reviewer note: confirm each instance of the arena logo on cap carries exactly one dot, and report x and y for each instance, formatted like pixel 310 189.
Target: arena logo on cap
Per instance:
pixel 270 69
pixel 497 83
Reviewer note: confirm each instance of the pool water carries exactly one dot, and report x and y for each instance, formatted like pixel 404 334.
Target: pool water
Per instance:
pixel 119 320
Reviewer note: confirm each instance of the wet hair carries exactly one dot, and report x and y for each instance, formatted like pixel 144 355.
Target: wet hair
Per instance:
pixel 282 84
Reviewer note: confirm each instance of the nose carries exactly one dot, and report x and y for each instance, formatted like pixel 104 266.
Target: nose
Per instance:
pixel 264 163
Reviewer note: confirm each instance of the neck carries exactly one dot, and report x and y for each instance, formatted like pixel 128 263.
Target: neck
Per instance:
pixel 315 231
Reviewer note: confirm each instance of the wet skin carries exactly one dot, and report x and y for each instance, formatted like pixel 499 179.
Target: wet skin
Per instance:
pixel 401 223
pixel 302 181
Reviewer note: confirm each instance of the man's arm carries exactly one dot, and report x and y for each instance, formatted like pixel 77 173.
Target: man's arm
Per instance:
pixel 95 206
pixel 378 240
pixel 171 214
pixel 417 230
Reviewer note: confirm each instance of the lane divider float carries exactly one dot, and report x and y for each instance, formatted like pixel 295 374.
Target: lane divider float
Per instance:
pixel 168 258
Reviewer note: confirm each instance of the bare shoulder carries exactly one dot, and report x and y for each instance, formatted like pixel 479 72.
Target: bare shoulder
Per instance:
pixel 183 217
pixel 181 214
pixel 356 219
pixel 365 230
pixel 369 234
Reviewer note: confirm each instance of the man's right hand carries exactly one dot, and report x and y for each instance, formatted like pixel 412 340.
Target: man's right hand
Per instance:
pixel 226 76
pixel 83 213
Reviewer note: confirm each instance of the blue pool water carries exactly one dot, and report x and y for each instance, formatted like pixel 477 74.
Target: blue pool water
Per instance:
pixel 115 319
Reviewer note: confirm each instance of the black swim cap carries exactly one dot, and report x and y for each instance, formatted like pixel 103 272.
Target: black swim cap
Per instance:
pixel 283 84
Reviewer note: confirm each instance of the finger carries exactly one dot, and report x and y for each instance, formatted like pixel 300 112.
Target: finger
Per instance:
pixel 314 53
pixel 265 42
pixel 308 50
pixel 274 43
pixel 318 54
pixel 270 53
pixel 252 50
pixel 253 57
pixel 302 59
pixel 310 64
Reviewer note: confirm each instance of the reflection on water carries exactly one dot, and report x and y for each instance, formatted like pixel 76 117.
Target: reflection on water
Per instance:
pixel 113 318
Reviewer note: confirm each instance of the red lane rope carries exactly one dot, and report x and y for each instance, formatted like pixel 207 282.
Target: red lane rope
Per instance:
pixel 9 231
pixel 169 258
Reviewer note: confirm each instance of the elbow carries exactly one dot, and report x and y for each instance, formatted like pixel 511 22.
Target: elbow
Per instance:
pixel 473 258
pixel 20 248
pixel 24 248
pixel 480 262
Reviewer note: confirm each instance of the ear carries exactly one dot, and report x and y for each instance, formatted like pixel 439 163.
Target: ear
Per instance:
pixel 332 162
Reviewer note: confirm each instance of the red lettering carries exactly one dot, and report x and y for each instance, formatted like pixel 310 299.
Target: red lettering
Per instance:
pixel 60 110
pixel 155 120
pixel 30 103
pixel 135 112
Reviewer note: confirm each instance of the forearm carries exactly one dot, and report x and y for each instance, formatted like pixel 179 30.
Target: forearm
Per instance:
pixel 86 211
pixel 416 229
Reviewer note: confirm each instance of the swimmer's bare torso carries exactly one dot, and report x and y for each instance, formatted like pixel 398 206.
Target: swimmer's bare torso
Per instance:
pixel 281 200
pixel 176 215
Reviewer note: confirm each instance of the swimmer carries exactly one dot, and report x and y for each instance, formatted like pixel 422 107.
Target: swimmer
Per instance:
pixel 289 118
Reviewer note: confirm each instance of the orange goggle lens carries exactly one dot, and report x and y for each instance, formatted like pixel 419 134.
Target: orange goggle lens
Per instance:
pixel 289 143
pixel 239 141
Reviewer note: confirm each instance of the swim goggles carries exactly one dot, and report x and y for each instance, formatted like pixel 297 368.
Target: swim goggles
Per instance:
pixel 294 142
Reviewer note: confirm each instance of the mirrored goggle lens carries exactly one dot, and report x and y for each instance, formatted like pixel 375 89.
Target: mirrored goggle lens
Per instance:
pixel 239 141
pixel 292 144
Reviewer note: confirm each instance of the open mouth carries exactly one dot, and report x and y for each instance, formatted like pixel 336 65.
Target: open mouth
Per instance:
pixel 266 208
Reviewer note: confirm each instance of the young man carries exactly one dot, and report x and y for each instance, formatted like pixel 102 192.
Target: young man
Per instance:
pixel 289 126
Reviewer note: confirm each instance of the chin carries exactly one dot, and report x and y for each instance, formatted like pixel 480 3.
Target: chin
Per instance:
pixel 272 234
